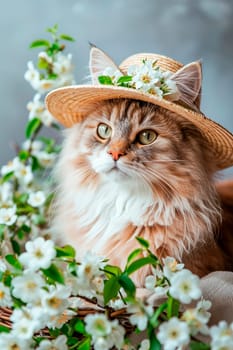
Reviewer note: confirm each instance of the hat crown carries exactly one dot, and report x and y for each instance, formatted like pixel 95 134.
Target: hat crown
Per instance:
pixel 165 63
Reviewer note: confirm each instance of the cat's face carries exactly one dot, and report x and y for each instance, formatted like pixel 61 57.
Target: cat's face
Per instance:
pixel 124 140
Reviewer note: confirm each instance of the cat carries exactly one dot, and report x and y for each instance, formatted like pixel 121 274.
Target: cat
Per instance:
pixel 132 168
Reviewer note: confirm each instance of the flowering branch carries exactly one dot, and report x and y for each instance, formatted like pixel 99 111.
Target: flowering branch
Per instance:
pixel 53 300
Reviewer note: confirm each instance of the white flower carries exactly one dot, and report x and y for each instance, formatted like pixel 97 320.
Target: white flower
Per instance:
pixel 139 315
pixel 36 199
pixel 114 74
pixel 24 174
pixel 6 193
pixel 151 282
pixel 171 266
pixel 198 317
pixel 116 337
pixel 28 286
pixel 8 216
pixel 32 75
pixel 34 146
pixel 46 159
pixel 47 118
pixel 185 286
pixel 97 325
pixel 55 300
pixel 201 310
pixel 35 107
pixel 3 266
pixel 25 328
pixel 5 296
pixel 62 64
pixel 222 344
pixel 145 345
pixel 173 334
pixel 90 266
pixel 57 321
pixel 13 165
pixel 39 254
pixel 222 336
pixel 60 343
pixel 10 341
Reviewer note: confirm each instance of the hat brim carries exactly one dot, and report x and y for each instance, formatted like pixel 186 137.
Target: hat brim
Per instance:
pixel 71 104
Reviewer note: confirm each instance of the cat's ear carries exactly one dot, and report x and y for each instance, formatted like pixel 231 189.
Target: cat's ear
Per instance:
pixel 98 62
pixel 188 80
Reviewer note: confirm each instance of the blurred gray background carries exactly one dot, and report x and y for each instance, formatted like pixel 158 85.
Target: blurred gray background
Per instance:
pixel 182 29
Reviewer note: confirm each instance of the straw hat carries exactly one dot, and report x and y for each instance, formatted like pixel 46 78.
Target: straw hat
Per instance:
pixel 71 104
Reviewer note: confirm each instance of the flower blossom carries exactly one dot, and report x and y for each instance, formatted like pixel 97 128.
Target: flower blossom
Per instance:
pixel 105 334
pixel 28 286
pixel 8 216
pixel 39 254
pixel 5 296
pixel 25 322
pixel 139 315
pixel 198 317
pixel 114 74
pixel 222 336
pixel 37 110
pixel 36 199
pixel 59 343
pixel 171 266
pixel 173 334
pixel 185 286
pixel 10 341
pixel 55 300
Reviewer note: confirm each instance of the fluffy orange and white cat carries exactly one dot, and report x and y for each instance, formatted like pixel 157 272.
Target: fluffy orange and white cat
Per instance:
pixel 131 169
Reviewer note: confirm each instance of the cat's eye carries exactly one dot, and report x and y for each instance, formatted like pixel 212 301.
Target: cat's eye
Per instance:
pixel 146 137
pixel 104 131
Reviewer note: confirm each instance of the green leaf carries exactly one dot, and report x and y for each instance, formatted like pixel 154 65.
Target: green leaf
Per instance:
pixel 7 176
pixel 154 343
pixel 154 319
pixel 136 265
pixel 39 43
pixel 196 345
pixel 127 284
pixel 111 289
pixel 2 230
pixel 22 199
pixel 52 76
pixel 35 163
pixel 105 80
pixel 23 155
pixel 85 344
pixel 32 127
pixel 66 251
pixel 54 274
pixel 124 80
pixel 42 63
pixel 173 306
pixel 4 329
pixel 79 327
pixel 66 37
pixel 39 220
pixel 15 246
pixel 143 242
pixel 53 30
pixel 111 270
pixel 134 254
pixel 13 261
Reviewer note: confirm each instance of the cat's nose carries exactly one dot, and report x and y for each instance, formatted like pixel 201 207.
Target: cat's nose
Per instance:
pixel 116 154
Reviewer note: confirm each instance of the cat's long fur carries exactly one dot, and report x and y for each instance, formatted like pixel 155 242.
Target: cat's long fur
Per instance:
pixel 163 192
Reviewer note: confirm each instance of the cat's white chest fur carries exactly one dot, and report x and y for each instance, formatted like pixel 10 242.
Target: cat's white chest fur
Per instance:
pixel 112 206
